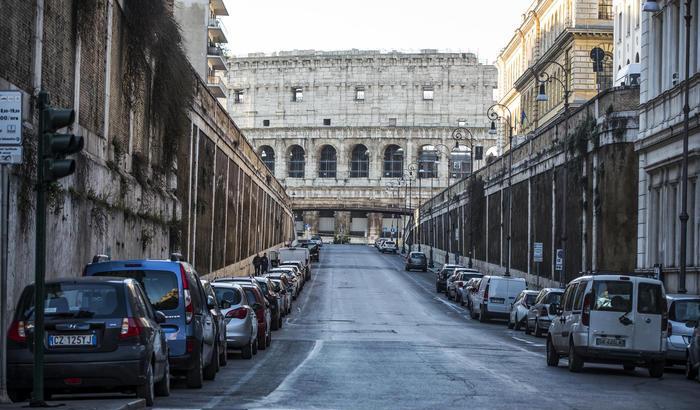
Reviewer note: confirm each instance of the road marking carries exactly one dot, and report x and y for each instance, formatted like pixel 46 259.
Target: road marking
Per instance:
pixel 287 384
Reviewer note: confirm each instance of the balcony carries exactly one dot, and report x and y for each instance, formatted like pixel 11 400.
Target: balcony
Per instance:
pixel 216 31
pixel 218 7
pixel 215 58
pixel 216 86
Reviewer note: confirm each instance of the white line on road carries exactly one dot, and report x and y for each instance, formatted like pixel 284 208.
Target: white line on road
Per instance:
pixel 287 384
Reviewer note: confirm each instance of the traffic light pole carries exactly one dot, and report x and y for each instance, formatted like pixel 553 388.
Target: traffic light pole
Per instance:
pixel 40 260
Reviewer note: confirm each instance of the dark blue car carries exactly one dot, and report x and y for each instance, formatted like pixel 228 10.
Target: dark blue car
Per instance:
pixel 173 287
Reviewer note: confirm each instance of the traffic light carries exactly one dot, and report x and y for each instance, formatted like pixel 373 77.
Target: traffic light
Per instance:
pixel 55 146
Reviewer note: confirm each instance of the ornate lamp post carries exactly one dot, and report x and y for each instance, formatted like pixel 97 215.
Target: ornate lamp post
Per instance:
pixel 544 78
pixel 412 168
pixel 496 116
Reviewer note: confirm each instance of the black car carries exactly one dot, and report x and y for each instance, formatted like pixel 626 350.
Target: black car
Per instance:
pixel 275 300
pixel 693 366
pixel 441 277
pixel 101 334
pixel 314 251
pixel 219 321
pixel 417 260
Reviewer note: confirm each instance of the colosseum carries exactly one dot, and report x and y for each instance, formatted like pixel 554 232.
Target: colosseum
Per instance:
pixel 361 138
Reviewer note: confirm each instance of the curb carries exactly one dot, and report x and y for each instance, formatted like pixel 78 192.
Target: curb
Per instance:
pixel 136 404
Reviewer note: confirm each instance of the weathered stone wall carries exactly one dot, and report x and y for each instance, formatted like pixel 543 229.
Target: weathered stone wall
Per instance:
pixel 596 164
pixel 128 197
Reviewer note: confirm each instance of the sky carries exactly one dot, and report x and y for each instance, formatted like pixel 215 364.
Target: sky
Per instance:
pixel 481 27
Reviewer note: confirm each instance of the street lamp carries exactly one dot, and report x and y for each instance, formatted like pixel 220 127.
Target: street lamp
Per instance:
pixel 494 116
pixel 413 167
pixel 653 7
pixel 544 78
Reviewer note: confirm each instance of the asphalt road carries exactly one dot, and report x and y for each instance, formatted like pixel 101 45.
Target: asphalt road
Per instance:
pixel 365 334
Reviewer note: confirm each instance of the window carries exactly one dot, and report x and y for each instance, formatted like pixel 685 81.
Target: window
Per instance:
pixel 460 162
pixel 359 162
pixel 296 164
pixel 428 93
pixel 266 123
pixel 612 296
pixel 268 157
pixel 230 295
pixel 93 300
pixel 326 121
pixel 685 310
pixel 297 94
pixel 578 301
pixel 629 19
pixel 328 162
pixel 605 10
pixel 393 161
pixel 650 299
pixel 237 96
pixel 426 162
pixel 161 286
pixel 359 94
pixel 392 122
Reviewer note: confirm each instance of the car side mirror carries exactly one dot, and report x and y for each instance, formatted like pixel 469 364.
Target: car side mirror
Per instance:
pixel 160 317
pixel 225 304
pixel 211 302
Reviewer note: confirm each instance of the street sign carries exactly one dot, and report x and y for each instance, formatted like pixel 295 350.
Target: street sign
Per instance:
pixel 11 154
pixel 559 261
pixel 10 118
pixel 393 229
pixel 537 252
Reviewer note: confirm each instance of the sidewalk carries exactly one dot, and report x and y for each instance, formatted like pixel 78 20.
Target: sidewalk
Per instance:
pixel 88 403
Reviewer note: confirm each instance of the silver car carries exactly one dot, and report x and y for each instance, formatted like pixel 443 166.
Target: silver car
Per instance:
pixel 290 271
pixel 241 322
pixel 683 316
pixel 300 270
pixel 518 312
pixel 539 316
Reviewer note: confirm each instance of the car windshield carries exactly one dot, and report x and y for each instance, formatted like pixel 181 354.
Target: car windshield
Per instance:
pixel 552 297
pixel 612 295
pixel 161 286
pixel 228 294
pixel 530 299
pixel 686 310
pixel 78 300
pixel 417 256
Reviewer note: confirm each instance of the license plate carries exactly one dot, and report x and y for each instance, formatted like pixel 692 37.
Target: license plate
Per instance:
pixel 497 300
pixel 609 341
pixel 72 340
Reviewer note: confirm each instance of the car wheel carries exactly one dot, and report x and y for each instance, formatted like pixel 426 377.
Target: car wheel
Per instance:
pixel 18 395
pixel 247 351
pixel 261 343
pixel 471 313
pixel 510 323
pixel 690 372
pixel 575 361
pixel 223 356
pixel 656 368
pixel 162 388
pixel 482 315
pixel 527 327
pixel 552 355
pixel 461 301
pixel 538 331
pixel 629 367
pixel 406 269
pixel 275 325
pixel 213 366
pixel 437 289
pixel 268 341
pixel 255 346
pixel 279 323
pixel 425 269
pixel 194 375
pixel 145 391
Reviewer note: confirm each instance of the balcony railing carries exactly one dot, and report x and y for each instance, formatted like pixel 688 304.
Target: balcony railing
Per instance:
pixel 216 86
pixel 217 32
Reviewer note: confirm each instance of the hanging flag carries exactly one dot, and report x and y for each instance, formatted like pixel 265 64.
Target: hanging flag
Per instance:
pixel 523 118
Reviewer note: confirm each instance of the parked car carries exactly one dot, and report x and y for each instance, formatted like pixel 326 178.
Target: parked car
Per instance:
pixel 692 368
pixel 297 254
pixel 314 250
pixel 173 287
pixel 494 297
pixel 539 317
pixel 610 318
pixel 274 299
pixel 285 298
pixel 378 242
pixel 683 316
pixel 292 277
pixel 470 291
pixel 299 270
pixel 389 246
pixel 218 317
pixel 317 240
pixel 518 312
pixel 240 318
pixel 456 282
pixel 101 334
pixel 261 307
pixel 441 277
pixel 286 277
pixel 416 260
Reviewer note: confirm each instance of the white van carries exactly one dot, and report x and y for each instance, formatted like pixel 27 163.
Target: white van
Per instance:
pixel 297 254
pixel 610 318
pixel 495 296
